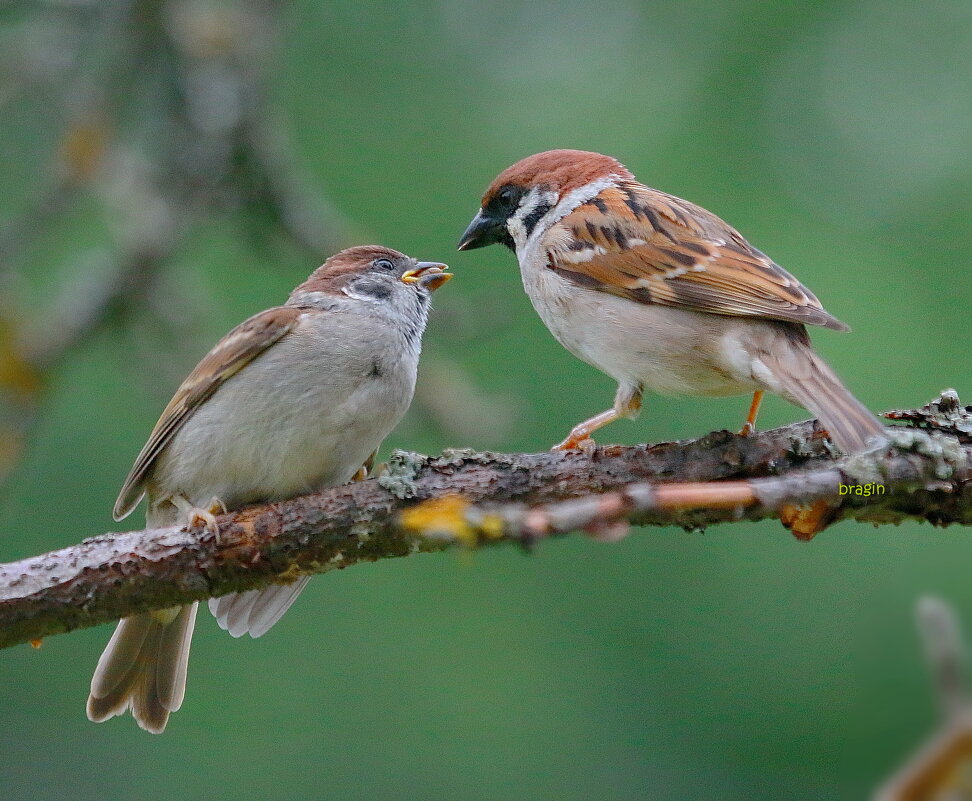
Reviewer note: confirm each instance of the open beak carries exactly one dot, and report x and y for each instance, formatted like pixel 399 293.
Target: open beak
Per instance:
pixel 482 231
pixel 429 275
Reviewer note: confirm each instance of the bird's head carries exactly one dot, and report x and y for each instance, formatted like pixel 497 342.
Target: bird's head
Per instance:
pixel 538 191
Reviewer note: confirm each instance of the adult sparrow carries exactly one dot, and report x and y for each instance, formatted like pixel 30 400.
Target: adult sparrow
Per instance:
pixel 294 399
pixel 659 293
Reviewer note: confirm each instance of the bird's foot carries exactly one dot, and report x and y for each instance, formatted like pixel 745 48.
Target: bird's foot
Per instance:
pixel 583 442
pixel 201 516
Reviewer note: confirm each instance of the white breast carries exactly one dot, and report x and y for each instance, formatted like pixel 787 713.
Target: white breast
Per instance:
pixel 665 350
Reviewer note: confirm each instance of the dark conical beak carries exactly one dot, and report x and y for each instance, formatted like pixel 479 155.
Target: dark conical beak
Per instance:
pixel 482 231
pixel 429 275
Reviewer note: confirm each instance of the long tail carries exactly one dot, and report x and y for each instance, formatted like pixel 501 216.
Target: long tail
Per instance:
pixel 143 668
pixel 806 380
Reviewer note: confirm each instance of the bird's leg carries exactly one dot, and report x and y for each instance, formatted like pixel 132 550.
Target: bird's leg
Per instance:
pixel 627 404
pixel 581 433
pixel 365 470
pixel 198 516
pixel 750 426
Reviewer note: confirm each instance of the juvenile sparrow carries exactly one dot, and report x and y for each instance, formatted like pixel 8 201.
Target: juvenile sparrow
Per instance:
pixel 659 293
pixel 294 399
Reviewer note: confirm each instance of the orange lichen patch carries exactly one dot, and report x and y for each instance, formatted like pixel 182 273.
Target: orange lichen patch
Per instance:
pixel 806 521
pixel 447 518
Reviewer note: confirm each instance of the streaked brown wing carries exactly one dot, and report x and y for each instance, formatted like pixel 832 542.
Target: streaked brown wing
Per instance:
pixel 651 247
pixel 233 352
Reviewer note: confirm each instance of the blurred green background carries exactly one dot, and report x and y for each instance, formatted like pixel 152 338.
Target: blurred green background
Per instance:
pixel 736 665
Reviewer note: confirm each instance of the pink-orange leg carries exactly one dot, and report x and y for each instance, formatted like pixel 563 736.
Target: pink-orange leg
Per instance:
pixel 627 404
pixel 582 431
pixel 750 426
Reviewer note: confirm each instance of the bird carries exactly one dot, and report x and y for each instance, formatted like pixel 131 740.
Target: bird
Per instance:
pixel 294 399
pixel 660 294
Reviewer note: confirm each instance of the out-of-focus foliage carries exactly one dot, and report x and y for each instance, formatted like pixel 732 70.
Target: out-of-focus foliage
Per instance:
pixel 735 665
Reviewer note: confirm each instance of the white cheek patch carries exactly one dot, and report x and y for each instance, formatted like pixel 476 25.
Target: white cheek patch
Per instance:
pixel 516 225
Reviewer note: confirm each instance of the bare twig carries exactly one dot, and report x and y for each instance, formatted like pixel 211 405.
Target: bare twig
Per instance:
pixel 941 769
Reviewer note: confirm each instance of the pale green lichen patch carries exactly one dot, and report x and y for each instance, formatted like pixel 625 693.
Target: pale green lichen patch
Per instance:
pixel 457 457
pixel 946 452
pixel 863 468
pixel 945 455
pixel 399 476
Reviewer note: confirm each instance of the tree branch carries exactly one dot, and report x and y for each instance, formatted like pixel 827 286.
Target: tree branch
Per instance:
pixel 422 503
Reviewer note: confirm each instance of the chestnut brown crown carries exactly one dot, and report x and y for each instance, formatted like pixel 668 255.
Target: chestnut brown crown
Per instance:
pixel 358 259
pixel 559 170
pixel 350 263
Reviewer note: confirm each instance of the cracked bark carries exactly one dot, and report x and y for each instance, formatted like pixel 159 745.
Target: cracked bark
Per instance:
pixel 426 503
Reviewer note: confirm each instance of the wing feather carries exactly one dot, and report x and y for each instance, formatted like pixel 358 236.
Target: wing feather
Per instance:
pixel 652 247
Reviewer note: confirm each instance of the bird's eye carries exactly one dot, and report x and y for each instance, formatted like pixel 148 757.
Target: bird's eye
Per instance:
pixel 384 264
pixel 507 196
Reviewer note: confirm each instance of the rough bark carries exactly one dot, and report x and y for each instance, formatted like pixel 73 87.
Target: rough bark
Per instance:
pixel 422 503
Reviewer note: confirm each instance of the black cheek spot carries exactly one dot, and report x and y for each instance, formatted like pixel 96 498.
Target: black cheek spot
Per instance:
pixel 379 290
pixel 531 220
pixel 376 371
